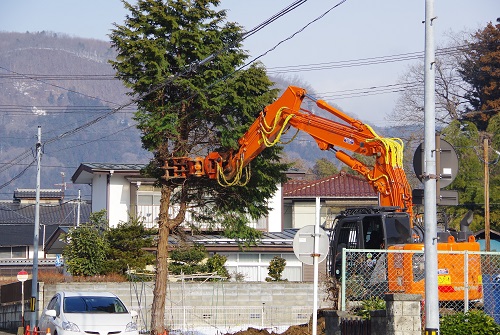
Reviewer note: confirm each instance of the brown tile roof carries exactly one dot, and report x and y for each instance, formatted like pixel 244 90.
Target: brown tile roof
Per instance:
pixel 339 185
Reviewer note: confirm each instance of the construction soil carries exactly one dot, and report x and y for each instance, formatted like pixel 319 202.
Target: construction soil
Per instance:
pixel 305 329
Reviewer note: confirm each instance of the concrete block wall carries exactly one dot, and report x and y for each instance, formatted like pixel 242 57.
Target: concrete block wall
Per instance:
pixel 403 314
pixel 401 317
pixel 203 294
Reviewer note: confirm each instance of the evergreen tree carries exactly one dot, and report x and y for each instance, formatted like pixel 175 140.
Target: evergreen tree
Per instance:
pixel 276 267
pixel 324 168
pixel 469 180
pixel 127 243
pixel 186 107
pixel 479 69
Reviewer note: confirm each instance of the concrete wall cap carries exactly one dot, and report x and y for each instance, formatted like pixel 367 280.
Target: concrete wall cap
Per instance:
pixel 402 297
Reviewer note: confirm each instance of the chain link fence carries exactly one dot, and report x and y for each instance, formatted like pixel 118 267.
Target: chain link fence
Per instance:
pixel 466 279
pixel 222 320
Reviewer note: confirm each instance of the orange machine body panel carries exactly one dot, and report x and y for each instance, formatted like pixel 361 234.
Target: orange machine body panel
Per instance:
pixel 406 269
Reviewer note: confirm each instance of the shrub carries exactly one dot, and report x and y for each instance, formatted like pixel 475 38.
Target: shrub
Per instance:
pixel 473 322
pixel 276 268
pixel 372 304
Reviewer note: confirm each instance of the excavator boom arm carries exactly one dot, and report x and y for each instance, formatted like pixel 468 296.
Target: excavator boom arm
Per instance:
pixel 387 176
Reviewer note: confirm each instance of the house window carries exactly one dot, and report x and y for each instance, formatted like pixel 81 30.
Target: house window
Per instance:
pixel 18 252
pixel 13 252
pixel 254 258
pixel 148 208
pixel 254 266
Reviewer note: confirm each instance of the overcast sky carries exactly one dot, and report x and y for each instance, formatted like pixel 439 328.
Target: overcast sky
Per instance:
pixel 356 29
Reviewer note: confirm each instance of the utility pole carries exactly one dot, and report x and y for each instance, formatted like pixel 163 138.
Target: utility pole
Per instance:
pixel 431 178
pixel 34 280
pixel 79 205
pixel 486 195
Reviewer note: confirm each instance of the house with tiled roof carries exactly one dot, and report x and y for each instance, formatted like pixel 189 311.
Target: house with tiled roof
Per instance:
pixel 336 193
pixel 17 225
pixel 123 191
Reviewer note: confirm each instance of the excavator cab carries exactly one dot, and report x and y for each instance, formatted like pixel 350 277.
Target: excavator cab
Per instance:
pixel 367 228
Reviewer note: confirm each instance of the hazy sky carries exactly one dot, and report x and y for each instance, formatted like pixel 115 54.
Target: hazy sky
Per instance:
pixel 355 30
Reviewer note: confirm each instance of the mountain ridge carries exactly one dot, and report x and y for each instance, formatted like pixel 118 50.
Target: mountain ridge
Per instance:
pixel 63 84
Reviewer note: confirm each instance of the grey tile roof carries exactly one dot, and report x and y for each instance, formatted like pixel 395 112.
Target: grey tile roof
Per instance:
pixel 17 221
pixel 21 193
pixel 114 166
pixel 284 238
pixel 84 173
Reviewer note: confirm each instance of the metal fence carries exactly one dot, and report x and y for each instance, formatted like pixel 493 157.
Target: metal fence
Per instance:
pixel 466 279
pixel 216 320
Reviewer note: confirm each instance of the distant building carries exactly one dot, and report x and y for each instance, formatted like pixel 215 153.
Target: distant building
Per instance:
pixel 17 225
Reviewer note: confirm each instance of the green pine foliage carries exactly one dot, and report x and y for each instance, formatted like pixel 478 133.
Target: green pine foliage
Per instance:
pixel 187 109
pixel 494 130
pixel 183 61
pixel 469 182
pixel 324 168
pixel 479 68
pixel 194 259
pixel 128 244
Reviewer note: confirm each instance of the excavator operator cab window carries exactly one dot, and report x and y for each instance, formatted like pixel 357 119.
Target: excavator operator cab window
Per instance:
pixel 398 229
pixel 348 235
pixel 373 232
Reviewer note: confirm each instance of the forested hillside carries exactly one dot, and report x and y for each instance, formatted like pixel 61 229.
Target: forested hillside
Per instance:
pixel 66 86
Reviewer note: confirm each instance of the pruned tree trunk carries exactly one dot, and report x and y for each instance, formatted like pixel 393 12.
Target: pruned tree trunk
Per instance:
pixel 165 224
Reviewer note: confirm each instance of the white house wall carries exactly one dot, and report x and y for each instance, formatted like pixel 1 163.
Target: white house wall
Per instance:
pixel 119 200
pixel 304 213
pixel 275 214
pixel 254 266
pixel 99 191
pixel 115 197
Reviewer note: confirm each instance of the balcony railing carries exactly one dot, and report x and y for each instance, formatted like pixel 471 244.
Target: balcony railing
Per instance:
pixel 149 216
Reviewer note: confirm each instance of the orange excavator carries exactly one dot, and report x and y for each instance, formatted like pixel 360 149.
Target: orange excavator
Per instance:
pixel 387 226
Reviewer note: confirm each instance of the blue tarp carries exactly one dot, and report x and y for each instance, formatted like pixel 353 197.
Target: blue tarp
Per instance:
pixel 494 245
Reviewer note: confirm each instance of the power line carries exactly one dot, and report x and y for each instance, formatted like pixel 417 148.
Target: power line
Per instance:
pixel 361 62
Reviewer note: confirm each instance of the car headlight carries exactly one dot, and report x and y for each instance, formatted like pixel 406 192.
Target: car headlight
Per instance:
pixel 131 326
pixel 70 326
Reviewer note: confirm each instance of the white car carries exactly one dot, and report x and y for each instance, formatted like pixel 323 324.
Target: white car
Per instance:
pixel 96 313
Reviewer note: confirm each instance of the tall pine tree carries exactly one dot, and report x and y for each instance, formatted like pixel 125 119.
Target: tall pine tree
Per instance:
pixel 185 108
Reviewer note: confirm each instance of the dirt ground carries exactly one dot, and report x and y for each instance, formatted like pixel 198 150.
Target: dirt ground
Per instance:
pixel 305 329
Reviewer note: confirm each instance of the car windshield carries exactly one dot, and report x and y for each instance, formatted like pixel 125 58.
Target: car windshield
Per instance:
pixel 86 304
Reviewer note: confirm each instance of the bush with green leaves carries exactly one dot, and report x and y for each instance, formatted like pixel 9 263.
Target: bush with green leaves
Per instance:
pixel 473 322
pixel 86 251
pixel 276 268
pixel 368 305
pixel 215 264
pixel 193 259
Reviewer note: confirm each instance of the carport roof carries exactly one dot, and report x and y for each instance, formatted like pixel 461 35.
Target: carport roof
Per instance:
pixel 279 241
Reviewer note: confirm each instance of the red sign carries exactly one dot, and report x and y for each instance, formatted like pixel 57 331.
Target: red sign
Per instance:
pixel 22 275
